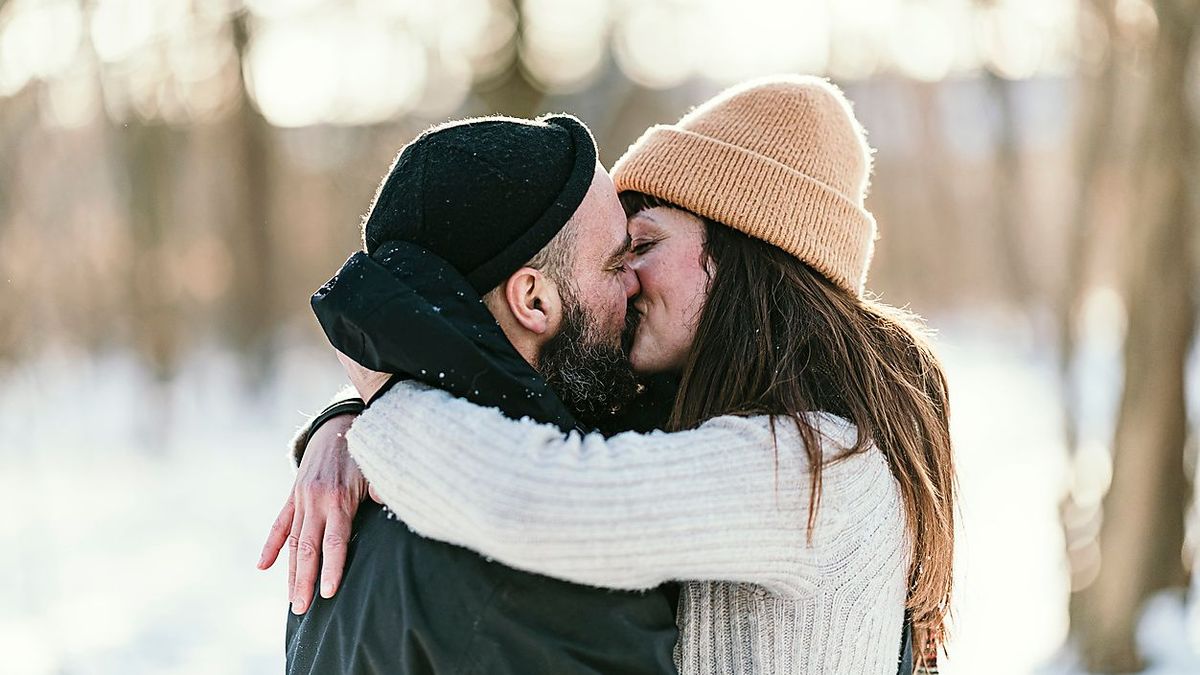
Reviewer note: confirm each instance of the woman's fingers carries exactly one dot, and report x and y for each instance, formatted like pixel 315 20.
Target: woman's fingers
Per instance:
pixel 333 551
pixel 308 552
pixel 317 518
pixel 293 541
pixel 277 537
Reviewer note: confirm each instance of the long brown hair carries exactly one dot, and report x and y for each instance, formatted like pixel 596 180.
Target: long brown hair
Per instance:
pixel 776 337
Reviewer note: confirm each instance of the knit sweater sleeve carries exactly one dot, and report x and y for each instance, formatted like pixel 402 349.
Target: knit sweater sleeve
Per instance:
pixel 724 501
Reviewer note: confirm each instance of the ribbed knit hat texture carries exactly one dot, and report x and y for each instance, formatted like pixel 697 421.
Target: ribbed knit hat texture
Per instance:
pixel 485 194
pixel 782 159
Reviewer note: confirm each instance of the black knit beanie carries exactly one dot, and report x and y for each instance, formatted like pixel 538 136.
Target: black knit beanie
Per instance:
pixel 485 194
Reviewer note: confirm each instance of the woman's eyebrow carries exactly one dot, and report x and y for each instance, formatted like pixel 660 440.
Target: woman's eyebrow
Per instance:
pixel 644 213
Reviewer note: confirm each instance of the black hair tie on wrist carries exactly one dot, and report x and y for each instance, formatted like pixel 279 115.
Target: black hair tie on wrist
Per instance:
pixel 350 406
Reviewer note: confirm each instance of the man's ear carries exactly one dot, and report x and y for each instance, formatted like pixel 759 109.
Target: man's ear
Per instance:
pixel 533 300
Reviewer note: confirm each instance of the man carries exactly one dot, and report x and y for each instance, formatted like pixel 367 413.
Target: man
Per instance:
pixel 493 269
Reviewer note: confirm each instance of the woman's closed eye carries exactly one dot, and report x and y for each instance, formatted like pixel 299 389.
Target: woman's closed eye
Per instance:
pixel 642 247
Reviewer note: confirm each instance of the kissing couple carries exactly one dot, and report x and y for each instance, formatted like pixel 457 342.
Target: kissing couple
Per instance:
pixel 646 422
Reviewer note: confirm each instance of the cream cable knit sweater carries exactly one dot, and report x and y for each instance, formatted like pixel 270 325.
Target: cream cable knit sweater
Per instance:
pixel 718 507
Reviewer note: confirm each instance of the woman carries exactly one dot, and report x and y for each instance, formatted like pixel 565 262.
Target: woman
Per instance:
pixel 805 492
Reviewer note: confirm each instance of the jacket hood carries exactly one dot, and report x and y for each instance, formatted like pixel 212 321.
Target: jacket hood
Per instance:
pixel 404 310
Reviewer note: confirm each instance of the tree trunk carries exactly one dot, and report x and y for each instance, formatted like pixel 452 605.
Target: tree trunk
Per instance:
pixel 511 92
pixel 17 116
pixel 1141 539
pixel 149 168
pixel 1009 202
pixel 252 300
pixel 944 231
pixel 147 155
pixel 1097 105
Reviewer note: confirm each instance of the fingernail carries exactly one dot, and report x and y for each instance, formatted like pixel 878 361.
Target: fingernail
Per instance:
pixel 326 589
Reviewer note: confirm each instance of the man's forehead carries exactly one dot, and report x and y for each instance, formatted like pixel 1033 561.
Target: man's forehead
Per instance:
pixel 602 233
pixel 600 218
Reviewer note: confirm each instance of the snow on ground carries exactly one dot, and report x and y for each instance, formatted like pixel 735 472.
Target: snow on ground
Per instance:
pixel 1010 569
pixel 125 550
pixel 134 516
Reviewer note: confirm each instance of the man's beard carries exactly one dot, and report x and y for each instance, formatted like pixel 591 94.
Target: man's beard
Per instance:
pixel 588 370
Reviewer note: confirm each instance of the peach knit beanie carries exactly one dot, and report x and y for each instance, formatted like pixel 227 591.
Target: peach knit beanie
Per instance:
pixel 781 158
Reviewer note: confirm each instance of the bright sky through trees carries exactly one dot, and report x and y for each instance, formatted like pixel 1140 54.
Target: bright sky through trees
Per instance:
pixel 363 61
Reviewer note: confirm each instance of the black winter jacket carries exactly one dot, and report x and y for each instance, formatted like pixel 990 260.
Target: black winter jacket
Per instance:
pixel 410 605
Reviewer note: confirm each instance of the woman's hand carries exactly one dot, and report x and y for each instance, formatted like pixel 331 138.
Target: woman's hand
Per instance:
pixel 366 381
pixel 316 518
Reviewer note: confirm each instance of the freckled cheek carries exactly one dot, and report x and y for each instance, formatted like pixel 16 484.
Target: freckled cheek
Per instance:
pixel 690 295
pixel 677 283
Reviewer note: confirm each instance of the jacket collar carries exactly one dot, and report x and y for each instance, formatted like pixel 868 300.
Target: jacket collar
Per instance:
pixel 406 311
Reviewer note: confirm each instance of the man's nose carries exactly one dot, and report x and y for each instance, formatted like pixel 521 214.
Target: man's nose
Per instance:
pixel 632 285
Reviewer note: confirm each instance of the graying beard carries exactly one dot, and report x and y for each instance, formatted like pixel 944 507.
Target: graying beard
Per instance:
pixel 594 379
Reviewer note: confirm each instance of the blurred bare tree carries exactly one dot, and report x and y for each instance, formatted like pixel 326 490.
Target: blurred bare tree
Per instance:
pixel 149 156
pixel 1009 208
pixel 20 113
pixel 253 294
pixel 1142 534
pixel 1094 140
pixel 511 91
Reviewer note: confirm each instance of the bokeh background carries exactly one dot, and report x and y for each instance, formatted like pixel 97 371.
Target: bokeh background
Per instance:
pixel 177 176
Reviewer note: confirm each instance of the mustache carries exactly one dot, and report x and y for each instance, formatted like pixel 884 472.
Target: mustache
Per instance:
pixel 633 319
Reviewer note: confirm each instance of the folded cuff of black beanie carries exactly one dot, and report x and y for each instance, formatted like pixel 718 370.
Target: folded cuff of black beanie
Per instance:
pixel 491 273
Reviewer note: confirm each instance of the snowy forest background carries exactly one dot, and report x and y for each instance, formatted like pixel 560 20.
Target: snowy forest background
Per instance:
pixel 177 176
